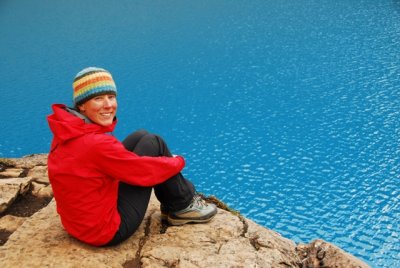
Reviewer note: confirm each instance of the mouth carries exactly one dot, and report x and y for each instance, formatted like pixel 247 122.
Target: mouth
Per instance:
pixel 106 115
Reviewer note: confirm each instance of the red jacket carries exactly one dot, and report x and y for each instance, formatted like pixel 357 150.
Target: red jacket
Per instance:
pixel 85 165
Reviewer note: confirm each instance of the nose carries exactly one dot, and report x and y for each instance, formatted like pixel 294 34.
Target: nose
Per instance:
pixel 107 102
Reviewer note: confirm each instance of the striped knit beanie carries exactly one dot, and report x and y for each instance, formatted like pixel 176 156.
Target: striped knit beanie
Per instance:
pixel 91 82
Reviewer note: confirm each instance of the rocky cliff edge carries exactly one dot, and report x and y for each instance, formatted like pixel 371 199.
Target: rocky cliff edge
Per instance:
pixel 31 234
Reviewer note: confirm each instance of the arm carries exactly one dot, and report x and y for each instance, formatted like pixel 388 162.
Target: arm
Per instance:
pixel 111 158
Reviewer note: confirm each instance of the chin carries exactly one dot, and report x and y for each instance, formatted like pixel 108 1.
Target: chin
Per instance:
pixel 106 124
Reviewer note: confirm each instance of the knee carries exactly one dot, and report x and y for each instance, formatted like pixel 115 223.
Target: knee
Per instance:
pixel 140 132
pixel 148 145
pixel 149 139
pixel 133 139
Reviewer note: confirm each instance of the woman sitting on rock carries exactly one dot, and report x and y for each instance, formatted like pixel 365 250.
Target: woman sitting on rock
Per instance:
pixel 102 187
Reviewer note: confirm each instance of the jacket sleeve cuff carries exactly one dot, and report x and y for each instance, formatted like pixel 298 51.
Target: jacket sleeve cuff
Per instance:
pixel 181 160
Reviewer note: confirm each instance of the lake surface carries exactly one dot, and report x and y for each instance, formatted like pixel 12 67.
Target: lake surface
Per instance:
pixel 286 110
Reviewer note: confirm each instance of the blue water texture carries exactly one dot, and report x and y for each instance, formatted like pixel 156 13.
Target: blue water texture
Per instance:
pixel 287 110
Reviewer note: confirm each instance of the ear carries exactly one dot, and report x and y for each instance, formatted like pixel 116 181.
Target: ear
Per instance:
pixel 81 107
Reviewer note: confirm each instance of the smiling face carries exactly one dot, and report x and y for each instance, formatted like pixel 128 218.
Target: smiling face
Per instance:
pixel 100 109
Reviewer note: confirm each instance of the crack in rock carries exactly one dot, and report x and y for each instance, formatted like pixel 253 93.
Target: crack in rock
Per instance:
pixel 6 163
pixel 41 183
pixel 245 225
pixel 169 264
pixel 288 265
pixel 257 244
pixel 163 227
pixel 136 262
pixel 24 172
pixel 4 235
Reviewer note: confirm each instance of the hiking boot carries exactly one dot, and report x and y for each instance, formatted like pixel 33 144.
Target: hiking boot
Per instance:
pixel 198 211
pixel 164 213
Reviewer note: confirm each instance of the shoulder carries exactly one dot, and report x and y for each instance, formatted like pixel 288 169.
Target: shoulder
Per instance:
pixel 99 139
pixel 102 142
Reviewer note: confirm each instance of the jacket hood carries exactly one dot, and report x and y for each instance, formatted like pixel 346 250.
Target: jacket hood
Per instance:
pixel 66 126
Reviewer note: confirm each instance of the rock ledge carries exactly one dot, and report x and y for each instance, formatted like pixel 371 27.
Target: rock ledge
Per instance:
pixel 229 240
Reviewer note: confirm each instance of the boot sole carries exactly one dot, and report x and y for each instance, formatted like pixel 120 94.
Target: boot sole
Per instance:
pixel 177 222
pixel 164 216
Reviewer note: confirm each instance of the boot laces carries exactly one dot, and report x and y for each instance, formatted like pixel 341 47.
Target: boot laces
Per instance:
pixel 198 202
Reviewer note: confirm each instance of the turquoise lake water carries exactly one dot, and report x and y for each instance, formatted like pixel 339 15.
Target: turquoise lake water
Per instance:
pixel 288 111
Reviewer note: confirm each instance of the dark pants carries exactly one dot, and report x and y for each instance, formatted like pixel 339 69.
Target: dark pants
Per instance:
pixel 175 193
